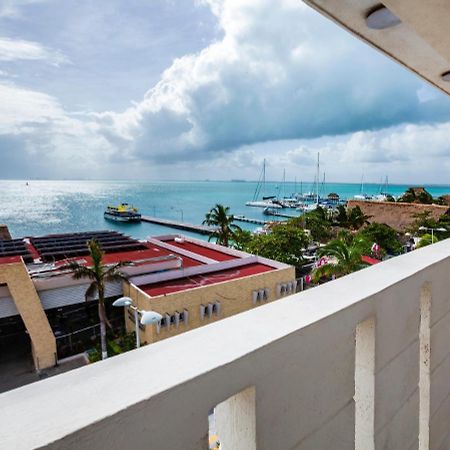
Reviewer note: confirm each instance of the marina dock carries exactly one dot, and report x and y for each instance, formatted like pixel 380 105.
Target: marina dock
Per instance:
pixel 200 229
pixel 278 214
pixel 250 220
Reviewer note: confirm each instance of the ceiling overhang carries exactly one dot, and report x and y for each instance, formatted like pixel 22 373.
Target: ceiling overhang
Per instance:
pixel 420 41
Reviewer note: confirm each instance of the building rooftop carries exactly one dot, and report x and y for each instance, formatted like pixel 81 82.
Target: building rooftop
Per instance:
pixel 217 255
pixel 181 284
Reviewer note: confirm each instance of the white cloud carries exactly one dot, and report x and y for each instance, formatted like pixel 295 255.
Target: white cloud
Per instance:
pixel 12 8
pixel 19 107
pixel 38 134
pixel 292 76
pixel 16 49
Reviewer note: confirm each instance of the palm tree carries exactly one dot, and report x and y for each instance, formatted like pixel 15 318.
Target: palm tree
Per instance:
pixel 345 258
pixel 356 218
pixel 98 274
pixel 220 217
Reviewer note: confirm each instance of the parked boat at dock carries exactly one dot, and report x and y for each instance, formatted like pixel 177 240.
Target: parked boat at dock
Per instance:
pixel 260 188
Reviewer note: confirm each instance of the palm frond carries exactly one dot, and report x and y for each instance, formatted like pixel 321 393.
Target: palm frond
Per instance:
pixel 81 272
pixel 113 277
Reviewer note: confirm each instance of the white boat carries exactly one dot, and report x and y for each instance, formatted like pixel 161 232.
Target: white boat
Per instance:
pixel 266 201
pixel 310 207
pixel 306 207
pixel 264 204
pixel 362 195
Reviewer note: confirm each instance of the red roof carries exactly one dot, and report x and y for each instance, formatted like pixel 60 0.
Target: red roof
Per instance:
pixel 369 260
pixel 153 251
pixel 10 259
pixel 215 254
pixel 182 284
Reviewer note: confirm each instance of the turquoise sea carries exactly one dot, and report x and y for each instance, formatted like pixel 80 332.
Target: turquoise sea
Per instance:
pixel 44 207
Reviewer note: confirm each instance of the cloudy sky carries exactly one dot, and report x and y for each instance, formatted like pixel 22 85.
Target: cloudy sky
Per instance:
pixel 195 89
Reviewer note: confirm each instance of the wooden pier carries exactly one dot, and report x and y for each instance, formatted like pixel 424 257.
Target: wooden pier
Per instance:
pixel 200 229
pixel 278 214
pixel 250 220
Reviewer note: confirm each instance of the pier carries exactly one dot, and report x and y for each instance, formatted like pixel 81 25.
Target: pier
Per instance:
pixel 278 214
pixel 250 220
pixel 200 229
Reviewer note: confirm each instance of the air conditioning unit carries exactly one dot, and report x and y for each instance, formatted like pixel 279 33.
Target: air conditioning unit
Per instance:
pixel 255 297
pixel 218 306
pixel 210 309
pixel 186 316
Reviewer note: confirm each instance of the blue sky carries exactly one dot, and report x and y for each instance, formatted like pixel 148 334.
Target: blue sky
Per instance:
pixel 199 89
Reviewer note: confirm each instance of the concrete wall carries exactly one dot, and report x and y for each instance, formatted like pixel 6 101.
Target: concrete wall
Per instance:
pixel 235 296
pixel 379 337
pixel 29 306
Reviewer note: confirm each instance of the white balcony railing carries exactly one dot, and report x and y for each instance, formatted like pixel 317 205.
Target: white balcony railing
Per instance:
pixel 362 362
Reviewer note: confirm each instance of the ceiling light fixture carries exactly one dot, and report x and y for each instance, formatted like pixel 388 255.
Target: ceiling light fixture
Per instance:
pixel 446 76
pixel 381 18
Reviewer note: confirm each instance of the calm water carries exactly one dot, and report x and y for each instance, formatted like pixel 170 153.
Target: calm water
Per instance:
pixel 45 207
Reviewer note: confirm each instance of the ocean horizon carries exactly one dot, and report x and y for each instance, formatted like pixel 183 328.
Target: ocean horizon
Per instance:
pixel 39 207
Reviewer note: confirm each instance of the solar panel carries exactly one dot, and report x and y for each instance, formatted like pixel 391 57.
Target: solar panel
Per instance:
pixel 15 247
pixel 57 247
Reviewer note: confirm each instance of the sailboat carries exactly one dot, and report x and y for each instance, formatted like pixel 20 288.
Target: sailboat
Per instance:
pixel 383 195
pixel 362 195
pixel 267 201
pixel 315 205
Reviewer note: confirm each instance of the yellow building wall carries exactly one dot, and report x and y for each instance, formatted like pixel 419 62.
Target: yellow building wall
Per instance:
pixel 29 305
pixel 235 296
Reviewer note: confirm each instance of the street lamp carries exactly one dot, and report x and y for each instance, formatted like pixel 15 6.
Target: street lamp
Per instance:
pixel 147 317
pixel 179 210
pixel 432 231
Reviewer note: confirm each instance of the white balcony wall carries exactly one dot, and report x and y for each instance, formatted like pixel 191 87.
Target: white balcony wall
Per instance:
pixel 298 357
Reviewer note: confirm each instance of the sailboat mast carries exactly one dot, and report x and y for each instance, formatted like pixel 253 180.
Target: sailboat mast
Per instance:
pixel 264 178
pixel 317 185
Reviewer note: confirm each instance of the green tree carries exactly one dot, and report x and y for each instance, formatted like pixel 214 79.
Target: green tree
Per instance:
pixel 422 219
pixel 416 195
pixel 285 243
pixel 427 239
pixel 98 274
pixel 242 239
pixel 340 216
pixel 344 258
pixel 219 216
pixel 317 222
pixel 390 198
pixel 356 218
pixel 352 218
pixel 385 236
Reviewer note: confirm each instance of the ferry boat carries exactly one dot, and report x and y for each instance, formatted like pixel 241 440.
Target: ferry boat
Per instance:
pixel 122 213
